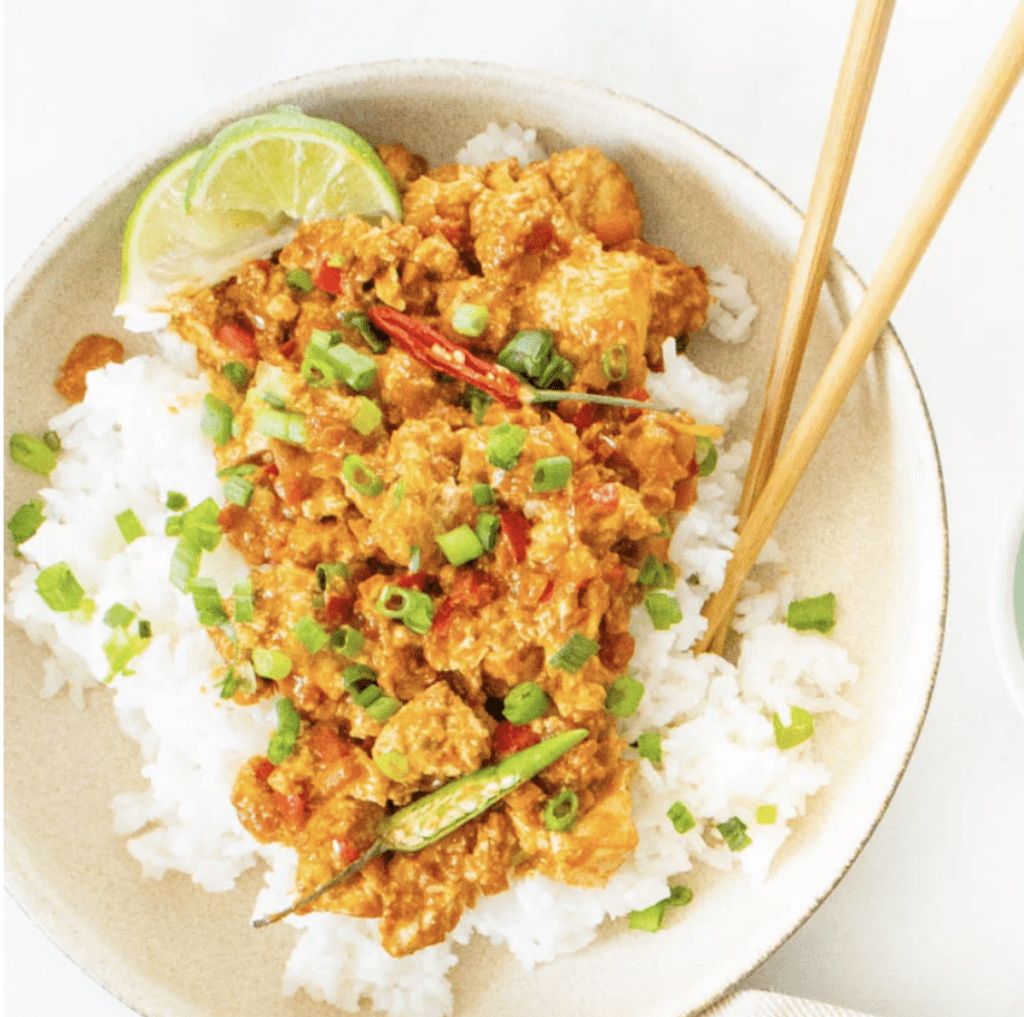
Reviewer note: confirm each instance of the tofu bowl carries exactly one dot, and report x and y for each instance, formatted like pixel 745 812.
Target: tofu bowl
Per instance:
pixel 867 524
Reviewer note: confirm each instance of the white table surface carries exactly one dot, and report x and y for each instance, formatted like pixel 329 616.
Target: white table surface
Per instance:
pixel 928 923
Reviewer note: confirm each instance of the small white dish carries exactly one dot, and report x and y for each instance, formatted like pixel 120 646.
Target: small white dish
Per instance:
pixel 1006 601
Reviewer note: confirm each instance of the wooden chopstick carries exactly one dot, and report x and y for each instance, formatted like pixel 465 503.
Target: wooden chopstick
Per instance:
pixel 864 46
pixel 969 133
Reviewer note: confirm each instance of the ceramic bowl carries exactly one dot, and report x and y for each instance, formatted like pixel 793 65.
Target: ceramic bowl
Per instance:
pixel 868 521
pixel 1006 600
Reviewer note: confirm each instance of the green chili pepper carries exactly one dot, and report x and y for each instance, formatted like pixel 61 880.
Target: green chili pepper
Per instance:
pixel 428 819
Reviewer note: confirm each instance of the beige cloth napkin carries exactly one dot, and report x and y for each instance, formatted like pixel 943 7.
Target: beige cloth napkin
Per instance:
pixel 751 1003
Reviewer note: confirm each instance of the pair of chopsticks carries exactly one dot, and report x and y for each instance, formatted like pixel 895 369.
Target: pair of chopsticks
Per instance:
pixel 772 477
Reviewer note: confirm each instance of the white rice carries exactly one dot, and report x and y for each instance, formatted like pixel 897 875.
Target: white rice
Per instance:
pixel 136 437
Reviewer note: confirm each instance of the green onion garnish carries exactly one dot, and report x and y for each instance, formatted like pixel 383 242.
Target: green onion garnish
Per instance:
pixel 334 360
pixel 367 417
pixel 121 648
pixel 483 494
pixel 367 696
pixel 173 526
pixel 33 454
pixel 488 528
pixel 528 353
pixel 310 634
pixel 524 703
pixel 60 589
pixel 377 341
pixel 240 470
pixel 392 764
pixel 767 814
pixel 207 600
pixel 505 444
pixel 184 562
pixel 24 523
pixel 176 501
pixel 129 525
pixel 558 370
pixel 52 441
pixel 399 493
pixel 347 641
pixel 818 613
pixel 656 574
pixel 237 373
pixel 283 741
pixel 705 455
pixel 615 363
pixel 561 812
pixel 272 664
pixel 649 746
pixel 478 403
pixel 358 677
pixel 471 319
pixel 551 474
pixel 383 708
pixel 243 599
pixel 145 629
pixel 413 607
pixel 664 609
pixel 275 423
pixel 682 818
pixel 734 833
pixel 216 418
pixel 118 616
pixel 414 558
pixel 361 477
pixel 200 525
pixel 327 570
pixel 299 279
pixel 801 727
pixel 577 650
pixel 460 545
pixel 624 695
pixel 238 491
pixel 650 919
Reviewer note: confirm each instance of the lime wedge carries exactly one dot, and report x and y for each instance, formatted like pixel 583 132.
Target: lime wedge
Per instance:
pixel 165 249
pixel 286 163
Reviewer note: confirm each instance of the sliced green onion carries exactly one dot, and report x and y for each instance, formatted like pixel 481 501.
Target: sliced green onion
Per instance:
pixel 129 525
pixel 33 454
pixel 706 456
pixel 649 746
pixel 299 279
pixel 488 528
pixel 173 526
pixel 176 501
pixel 367 696
pixel 237 373
pixel 734 833
pixel 358 677
pixel 577 650
pixel 276 423
pixel 207 600
pixel 528 353
pixel 310 634
pixel 666 529
pixel 145 629
pixel 505 444
pixel 327 570
pixel 800 728
pixel 367 417
pixel 215 422
pixel 551 474
pixel 650 919
pixel 624 695
pixel 184 562
pixel 272 664
pixel 561 812
pixel 24 523
pixel 241 470
pixel 471 319
pixel 337 361
pixel 119 649
pixel 238 491
pixel 818 613
pixel 118 616
pixel 399 493
pixel 243 599
pixel 483 494
pixel 615 363
pixel 656 574
pixel 414 558
pixel 664 609
pixel 478 403
pixel 383 708
pixel 59 588
pixel 392 764
pixel 682 818
pixel 229 683
pixel 347 641
pixel 377 341
pixel 200 525
pixel 558 370
pixel 52 441
pixel 767 814
pixel 361 477
pixel 524 703
pixel 413 607
pixel 460 545
pixel 282 743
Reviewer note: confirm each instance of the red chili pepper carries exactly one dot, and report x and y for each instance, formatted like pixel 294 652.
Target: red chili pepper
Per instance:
pixel 412 580
pixel 641 395
pixel 443 616
pixel 345 851
pixel 338 610
pixel 548 592
pixel 287 349
pixel 435 350
pixel 602 498
pixel 291 807
pixel 585 416
pixel 328 277
pixel 239 340
pixel 471 589
pixel 517 532
pixel 271 470
pixel 263 769
pixel 509 738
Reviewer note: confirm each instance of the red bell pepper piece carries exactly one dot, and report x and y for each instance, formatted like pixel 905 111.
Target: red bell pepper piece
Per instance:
pixel 602 498
pixel 239 340
pixel 328 277
pixel 517 532
pixel 263 769
pixel 509 738
pixel 412 580
pixel 338 610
